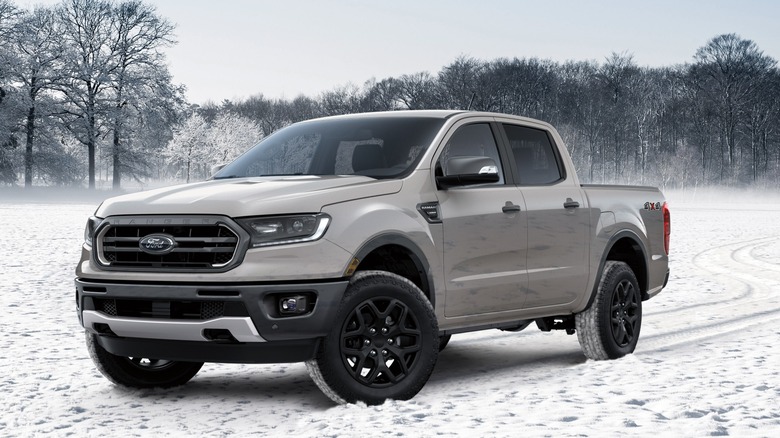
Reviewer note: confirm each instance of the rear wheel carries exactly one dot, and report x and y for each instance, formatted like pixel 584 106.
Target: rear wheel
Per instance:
pixel 609 328
pixel 140 372
pixel 383 345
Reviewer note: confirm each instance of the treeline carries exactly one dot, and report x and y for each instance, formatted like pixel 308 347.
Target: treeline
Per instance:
pixel 715 120
pixel 83 83
pixel 85 96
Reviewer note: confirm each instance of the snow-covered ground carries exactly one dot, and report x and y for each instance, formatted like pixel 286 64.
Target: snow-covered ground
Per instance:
pixel 708 360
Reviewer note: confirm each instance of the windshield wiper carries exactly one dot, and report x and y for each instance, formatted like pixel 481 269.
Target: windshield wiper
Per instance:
pixel 227 177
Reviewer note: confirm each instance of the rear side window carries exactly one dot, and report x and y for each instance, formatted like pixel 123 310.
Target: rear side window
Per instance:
pixel 534 154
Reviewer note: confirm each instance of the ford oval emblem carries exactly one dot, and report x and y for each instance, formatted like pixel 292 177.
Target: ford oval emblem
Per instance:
pixel 157 244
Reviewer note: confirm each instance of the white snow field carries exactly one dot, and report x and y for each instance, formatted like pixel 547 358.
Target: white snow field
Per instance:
pixel 707 363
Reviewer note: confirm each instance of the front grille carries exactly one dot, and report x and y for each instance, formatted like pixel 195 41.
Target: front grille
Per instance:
pixel 206 245
pixel 164 309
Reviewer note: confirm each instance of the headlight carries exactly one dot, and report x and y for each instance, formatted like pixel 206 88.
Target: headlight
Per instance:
pixel 281 230
pixel 89 231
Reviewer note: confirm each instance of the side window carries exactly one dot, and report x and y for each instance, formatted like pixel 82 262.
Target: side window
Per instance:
pixel 534 155
pixel 471 141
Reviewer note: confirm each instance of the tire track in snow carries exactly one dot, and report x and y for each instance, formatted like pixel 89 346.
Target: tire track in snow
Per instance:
pixel 740 253
pixel 734 266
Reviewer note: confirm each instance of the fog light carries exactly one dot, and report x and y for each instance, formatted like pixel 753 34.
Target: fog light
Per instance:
pixel 292 305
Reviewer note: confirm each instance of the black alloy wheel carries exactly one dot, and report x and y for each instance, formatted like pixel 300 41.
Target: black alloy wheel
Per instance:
pixel 380 342
pixel 609 327
pixel 625 313
pixel 383 345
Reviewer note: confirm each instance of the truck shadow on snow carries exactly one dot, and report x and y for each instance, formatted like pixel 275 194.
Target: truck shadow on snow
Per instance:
pixel 463 363
pixel 469 361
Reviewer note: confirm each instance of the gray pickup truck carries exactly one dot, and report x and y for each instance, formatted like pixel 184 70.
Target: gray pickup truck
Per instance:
pixel 359 244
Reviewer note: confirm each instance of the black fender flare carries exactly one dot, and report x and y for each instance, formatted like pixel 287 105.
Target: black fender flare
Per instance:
pixel 607 249
pixel 419 259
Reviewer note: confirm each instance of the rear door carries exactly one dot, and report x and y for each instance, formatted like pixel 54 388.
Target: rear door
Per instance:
pixel 484 248
pixel 557 214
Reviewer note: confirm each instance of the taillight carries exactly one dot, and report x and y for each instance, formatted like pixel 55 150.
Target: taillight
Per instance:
pixel 667 227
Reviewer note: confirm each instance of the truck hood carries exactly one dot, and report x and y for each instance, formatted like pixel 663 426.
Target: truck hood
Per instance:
pixel 249 196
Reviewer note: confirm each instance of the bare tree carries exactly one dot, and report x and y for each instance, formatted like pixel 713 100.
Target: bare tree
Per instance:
pixel 90 65
pixel 189 146
pixel 197 145
pixel 8 141
pixel 416 91
pixel 36 67
pixel 461 85
pixel 341 100
pixel 137 35
pixel 382 95
pixel 729 71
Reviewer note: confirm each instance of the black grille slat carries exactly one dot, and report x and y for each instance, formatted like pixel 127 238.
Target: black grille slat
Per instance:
pixel 208 239
pixel 183 250
pixel 199 247
pixel 120 239
pixel 208 249
pixel 108 248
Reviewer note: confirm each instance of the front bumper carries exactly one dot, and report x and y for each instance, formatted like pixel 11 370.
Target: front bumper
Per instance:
pixel 146 320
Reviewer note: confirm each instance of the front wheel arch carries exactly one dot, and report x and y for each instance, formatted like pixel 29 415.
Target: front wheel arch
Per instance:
pixel 421 276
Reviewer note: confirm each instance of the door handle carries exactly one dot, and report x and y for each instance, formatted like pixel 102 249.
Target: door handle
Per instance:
pixel 510 208
pixel 570 203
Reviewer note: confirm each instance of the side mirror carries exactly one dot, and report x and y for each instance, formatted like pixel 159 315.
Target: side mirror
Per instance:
pixel 464 171
pixel 217 168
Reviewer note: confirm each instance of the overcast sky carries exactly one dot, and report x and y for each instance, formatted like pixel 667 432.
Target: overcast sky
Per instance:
pixel 231 49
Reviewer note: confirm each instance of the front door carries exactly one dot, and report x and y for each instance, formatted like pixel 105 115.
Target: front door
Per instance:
pixel 484 243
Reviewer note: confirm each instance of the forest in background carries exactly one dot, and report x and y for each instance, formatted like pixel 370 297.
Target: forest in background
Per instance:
pixel 86 100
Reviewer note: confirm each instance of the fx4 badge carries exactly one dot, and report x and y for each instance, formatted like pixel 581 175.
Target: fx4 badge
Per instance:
pixel 652 206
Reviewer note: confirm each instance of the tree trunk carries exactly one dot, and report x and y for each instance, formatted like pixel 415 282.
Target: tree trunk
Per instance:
pixel 28 150
pixel 91 150
pixel 115 155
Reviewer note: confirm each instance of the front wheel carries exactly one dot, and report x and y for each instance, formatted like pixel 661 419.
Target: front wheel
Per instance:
pixel 609 328
pixel 140 372
pixel 383 345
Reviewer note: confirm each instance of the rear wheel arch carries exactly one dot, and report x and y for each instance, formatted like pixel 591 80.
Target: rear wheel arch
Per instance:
pixel 626 247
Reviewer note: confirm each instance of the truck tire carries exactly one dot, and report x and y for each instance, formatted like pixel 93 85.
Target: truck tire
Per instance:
pixel 383 344
pixel 136 372
pixel 609 328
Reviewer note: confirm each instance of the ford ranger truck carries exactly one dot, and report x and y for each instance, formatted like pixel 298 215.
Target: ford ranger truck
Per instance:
pixel 359 244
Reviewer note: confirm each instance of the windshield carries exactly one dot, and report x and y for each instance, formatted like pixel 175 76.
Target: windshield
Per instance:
pixel 378 147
